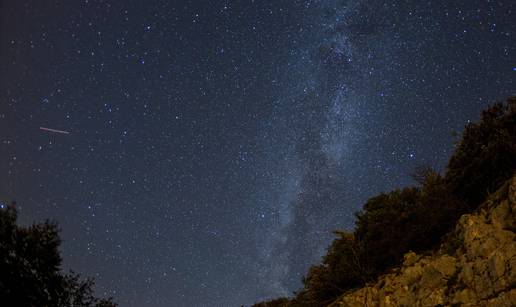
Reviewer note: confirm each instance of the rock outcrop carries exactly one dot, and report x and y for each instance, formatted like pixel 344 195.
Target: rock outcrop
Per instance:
pixel 476 265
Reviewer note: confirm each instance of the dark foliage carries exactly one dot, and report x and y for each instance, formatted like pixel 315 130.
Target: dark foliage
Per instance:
pixel 416 218
pixel 390 214
pixel 279 302
pixel 344 267
pixel 486 156
pixel 30 267
pixel 411 219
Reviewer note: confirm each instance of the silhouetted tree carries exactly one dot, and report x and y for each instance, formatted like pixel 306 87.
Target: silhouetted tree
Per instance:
pixel 486 156
pixel 30 272
pixel 384 224
pixel 279 302
pixel 343 267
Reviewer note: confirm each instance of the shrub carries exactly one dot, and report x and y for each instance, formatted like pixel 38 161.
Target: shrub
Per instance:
pixel 486 156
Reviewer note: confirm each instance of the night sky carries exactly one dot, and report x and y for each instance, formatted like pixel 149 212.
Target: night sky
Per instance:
pixel 214 145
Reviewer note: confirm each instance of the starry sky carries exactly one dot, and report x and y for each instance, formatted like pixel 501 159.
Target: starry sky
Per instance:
pixel 214 145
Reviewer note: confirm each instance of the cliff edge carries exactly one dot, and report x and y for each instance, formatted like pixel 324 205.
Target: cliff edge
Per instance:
pixel 476 265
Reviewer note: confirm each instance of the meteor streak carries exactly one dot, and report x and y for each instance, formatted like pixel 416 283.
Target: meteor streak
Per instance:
pixel 54 130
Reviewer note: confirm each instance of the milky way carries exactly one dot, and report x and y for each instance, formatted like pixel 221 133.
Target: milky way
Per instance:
pixel 214 145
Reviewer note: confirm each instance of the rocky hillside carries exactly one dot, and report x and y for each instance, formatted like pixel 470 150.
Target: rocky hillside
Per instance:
pixel 476 266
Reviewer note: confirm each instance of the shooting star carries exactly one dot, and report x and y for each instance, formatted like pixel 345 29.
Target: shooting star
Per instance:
pixel 54 130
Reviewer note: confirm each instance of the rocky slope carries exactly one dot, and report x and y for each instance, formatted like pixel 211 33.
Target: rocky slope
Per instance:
pixel 475 267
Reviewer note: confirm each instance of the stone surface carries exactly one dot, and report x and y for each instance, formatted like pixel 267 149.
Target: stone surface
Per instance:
pixel 480 273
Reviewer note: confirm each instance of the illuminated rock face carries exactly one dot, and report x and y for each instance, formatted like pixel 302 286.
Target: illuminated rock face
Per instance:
pixel 475 267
